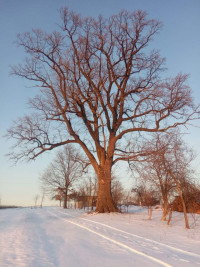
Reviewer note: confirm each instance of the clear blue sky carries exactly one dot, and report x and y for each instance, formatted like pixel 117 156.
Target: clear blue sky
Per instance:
pixel 179 42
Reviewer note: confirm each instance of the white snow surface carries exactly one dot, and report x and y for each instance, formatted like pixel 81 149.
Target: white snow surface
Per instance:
pixel 52 236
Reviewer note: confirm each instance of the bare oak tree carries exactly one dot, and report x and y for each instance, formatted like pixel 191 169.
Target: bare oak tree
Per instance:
pixel 63 172
pixel 101 89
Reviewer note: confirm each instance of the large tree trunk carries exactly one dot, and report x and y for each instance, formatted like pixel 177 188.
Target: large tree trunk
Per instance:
pixel 65 200
pixel 105 202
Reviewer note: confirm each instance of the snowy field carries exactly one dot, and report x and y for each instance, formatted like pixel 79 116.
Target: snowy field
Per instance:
pixel 69 238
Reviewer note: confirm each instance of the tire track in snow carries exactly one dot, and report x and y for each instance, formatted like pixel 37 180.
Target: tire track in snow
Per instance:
pixel 137 236
pixel 146 239
pixel 113 241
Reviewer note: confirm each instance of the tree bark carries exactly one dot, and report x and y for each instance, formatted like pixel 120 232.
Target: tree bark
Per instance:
pixel 65 200
pixel 182 200
pixel 184 208
pixel 165 208
pixel 105 202
pixel 170 215
pixel 150 212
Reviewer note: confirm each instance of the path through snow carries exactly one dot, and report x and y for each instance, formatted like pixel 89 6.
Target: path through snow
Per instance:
pixel 56 237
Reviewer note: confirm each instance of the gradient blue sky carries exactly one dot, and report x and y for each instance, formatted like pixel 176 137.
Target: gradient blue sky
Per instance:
pixel 179 42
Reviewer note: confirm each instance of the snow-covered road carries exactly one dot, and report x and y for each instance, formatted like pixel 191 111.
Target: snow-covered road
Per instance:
pixel 57 237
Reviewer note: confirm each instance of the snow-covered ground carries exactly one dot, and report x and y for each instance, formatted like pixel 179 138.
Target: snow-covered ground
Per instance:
pixel 69 238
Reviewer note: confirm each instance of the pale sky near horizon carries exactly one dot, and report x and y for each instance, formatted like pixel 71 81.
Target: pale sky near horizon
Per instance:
pixel 179 42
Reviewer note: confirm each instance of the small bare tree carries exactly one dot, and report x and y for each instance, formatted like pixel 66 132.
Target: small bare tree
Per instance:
pixel 87 191
pixel 117 191
pixel 146 195
pixel 152 172
pixel 36 197
pixel 63 172
pixel 175 158
pixel 168 169
pixel 42 197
